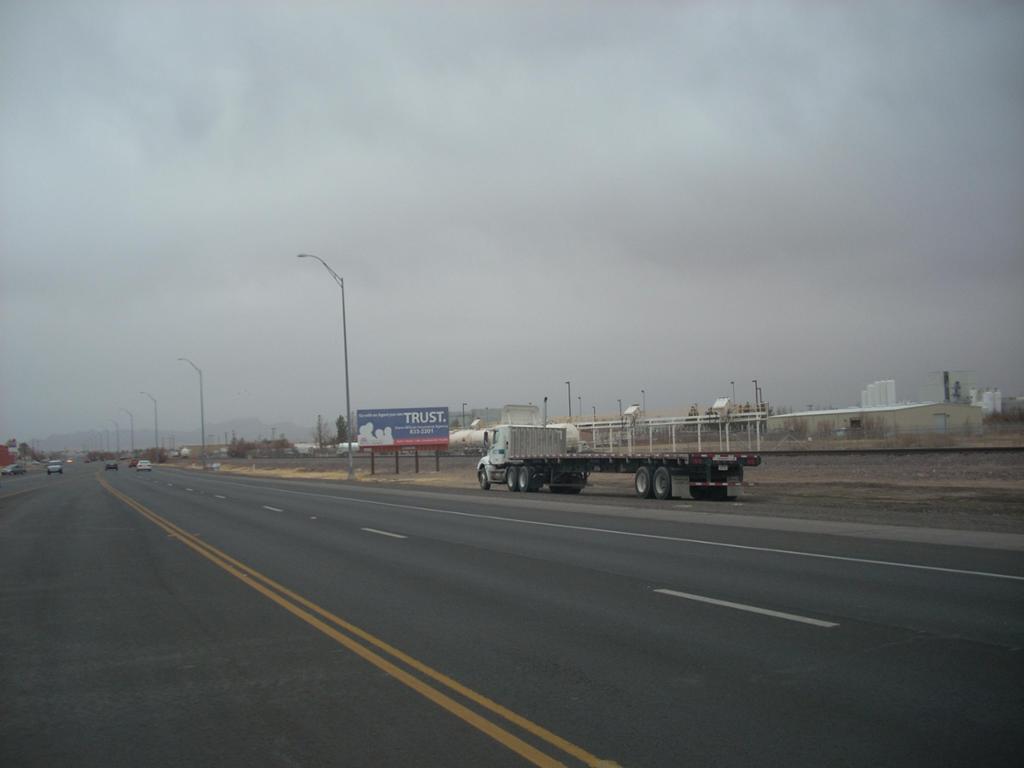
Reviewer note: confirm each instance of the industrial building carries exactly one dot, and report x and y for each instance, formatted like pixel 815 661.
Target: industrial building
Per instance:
pixel 881 421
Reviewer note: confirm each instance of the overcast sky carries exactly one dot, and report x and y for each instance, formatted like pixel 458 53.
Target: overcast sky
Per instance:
pixel 629 196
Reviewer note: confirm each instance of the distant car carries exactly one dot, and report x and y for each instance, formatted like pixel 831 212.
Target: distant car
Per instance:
pixel 54 466
pixel 13 469
pixel 110 465
pixel 144 465
pixel 133 463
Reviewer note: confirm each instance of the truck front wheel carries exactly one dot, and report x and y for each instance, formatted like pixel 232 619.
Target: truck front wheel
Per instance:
pixel 512 479
pixel 485 484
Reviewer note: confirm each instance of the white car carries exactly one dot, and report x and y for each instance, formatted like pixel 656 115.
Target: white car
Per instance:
pixel 54 466
pixel 144 465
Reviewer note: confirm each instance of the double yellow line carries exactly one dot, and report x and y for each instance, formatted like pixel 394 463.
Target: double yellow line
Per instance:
pixel 329 624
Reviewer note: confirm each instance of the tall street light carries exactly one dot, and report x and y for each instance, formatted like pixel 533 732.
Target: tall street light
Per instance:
pixel 463 415
pixel 580 398
pixel 117 435
pixel 733 390
pixel 569 385
pixel 344 340
pixel 202 413
pixel 643 397
pixel 156 430
pixel 131 422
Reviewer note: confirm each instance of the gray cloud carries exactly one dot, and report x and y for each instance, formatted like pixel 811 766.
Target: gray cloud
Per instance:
pixel 655 196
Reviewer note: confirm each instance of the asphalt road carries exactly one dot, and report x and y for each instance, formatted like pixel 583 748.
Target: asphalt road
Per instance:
pixel 169 618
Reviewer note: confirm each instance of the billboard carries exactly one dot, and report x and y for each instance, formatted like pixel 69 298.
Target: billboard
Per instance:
pixel 400 427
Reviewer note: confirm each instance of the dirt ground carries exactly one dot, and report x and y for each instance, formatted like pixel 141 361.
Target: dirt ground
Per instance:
pixel 973 491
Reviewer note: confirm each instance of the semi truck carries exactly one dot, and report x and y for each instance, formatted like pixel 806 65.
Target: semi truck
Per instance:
pixel 526 459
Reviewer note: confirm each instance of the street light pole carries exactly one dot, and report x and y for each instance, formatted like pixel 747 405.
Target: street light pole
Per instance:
pixel 344 340
pixel 757 414
pixel 202 411
pixel 131 422
pixel 569 386
pixel 156 427
pixel 117 435
pixel 643 397
pixel 463 415
pixel 733 390
pixel 580 398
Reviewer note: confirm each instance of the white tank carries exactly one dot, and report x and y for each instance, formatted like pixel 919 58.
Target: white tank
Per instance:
pixel 997 401
pixel 466 440
pixel 987 404
pixel 890 391
pixel 572 436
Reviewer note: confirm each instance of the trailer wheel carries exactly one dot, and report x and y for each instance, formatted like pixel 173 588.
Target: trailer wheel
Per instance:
pixel 525 479
pixel 662 484
pixel 642 482
pixel 511 479
pixel 485 484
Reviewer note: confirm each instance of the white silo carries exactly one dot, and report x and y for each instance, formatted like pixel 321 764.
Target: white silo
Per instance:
pixel 873 394
pixel 864 398
pixel 987 404
pixel 890 391
pixel 997 401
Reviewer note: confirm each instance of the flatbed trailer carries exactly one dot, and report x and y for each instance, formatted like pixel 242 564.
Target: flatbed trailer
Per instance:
pixel 513 459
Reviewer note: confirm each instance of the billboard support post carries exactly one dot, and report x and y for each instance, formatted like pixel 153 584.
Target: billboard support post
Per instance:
pixel 396 462
pixel 417 461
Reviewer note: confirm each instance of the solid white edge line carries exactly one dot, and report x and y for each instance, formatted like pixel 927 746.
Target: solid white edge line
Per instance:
pixel 655 536
pixel 384 533
pixel 750 608
pixel 273 509
pixel 218 496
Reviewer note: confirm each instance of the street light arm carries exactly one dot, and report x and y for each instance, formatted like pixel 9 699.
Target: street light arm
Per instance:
pixel 186 360
pixel 337 278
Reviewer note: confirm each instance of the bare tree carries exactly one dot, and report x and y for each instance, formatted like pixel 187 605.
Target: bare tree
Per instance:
pixel 321 434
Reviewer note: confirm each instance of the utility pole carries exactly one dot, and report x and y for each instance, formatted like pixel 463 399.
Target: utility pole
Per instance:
pixel 569 386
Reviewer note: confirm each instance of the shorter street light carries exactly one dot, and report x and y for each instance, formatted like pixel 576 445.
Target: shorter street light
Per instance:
pixel 156 429
pixel 202 412
pixel 131 422
pixel 117 436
